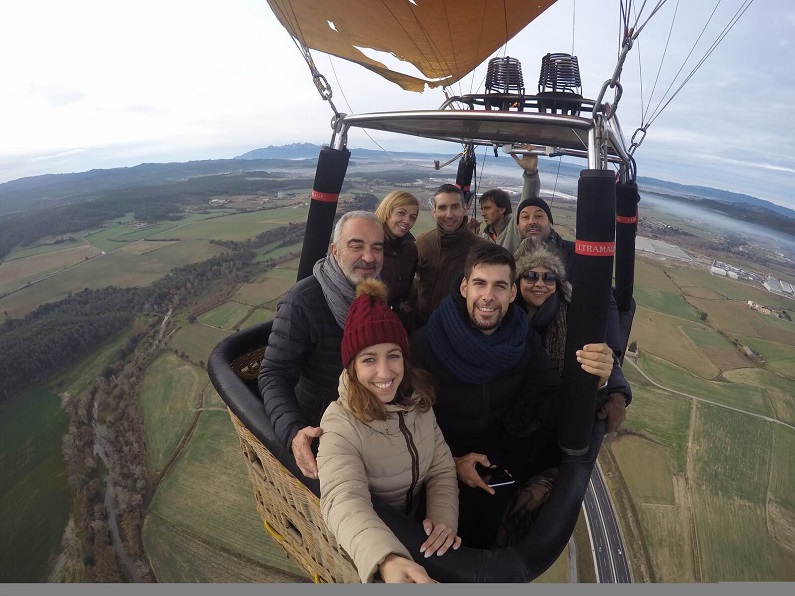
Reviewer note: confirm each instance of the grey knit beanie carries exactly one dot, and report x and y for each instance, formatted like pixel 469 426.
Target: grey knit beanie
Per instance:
pixel 532 253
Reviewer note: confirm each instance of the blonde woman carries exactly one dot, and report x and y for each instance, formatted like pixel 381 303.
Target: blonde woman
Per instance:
pixel 398 213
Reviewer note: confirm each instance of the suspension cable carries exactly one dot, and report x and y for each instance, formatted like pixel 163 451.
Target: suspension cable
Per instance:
pixel 662 61
pixel 746 4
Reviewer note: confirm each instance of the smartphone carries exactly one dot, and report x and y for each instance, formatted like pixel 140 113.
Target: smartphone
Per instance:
pixel 495 477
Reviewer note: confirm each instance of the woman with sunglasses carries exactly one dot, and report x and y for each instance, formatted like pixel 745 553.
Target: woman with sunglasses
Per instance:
pixel 546 295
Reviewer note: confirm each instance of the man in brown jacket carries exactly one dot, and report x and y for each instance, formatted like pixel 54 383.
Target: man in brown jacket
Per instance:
pixel 442 251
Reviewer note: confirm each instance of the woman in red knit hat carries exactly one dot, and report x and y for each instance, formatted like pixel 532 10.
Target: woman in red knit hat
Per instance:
pixel 380 440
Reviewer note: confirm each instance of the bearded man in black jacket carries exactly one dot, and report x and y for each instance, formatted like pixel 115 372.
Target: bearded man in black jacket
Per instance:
pixel 484 357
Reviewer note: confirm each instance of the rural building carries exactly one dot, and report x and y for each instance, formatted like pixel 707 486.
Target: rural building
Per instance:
pixel 717 270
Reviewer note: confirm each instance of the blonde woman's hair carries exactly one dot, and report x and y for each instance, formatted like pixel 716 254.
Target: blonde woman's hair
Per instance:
pixel 395 199
pixel 416 387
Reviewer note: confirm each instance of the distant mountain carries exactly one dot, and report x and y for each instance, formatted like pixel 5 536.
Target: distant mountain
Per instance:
pixel 37 191
pixel 700 193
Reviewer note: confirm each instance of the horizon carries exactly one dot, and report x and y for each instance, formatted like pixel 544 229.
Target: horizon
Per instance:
pixel 503 166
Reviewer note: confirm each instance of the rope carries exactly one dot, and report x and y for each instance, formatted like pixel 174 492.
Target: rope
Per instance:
pixel 573 22
pixel 690 53
pixel 662 60
pixel 737 15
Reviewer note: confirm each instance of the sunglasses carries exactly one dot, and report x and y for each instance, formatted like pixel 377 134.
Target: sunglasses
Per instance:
pixel 533 276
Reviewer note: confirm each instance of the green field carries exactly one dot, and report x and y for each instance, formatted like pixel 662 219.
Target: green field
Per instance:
pixel 781 390
pixel 772 352
pixel 218 229
pixel 260 315
pixel 665 302
pixel 226 316
pixel 117 269
pixel 35 499
pixel 208 502
pixel 197 340
pixel 660 416
pixel 706 338
pixel 170 394
pixel 738 395
pixel 271 252
pixel 43 247
pixel 732 468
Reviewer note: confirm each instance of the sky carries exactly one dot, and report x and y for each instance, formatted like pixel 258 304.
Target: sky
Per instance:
pixel 90 84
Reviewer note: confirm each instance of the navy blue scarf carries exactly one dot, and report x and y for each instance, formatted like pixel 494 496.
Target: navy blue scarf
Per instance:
pixel 469 354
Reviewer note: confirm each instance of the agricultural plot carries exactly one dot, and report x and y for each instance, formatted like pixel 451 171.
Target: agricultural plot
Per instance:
pixel 772 352
pixel 781 390
pixel 730 288
pixel 650 275
pixel 207 495
pixel 669 303
pixel 167 546
pixel 647 469
pixel 257 293
pixel 225 316
pixel 273 253
pixel 662 335
pixel 732 459
pixel 268 290
pixel 660 503
pixel 116 236
pixel 217 229
pixel 283 272
pixel 170 394
pixel 737 319
pixel 35 499
pixel 781 503
pixel 144 246
pixel 197 341
pixel 662 418
pixel 719 350
pixel 259 315
pixel 706 338
pixel 747 398
pixel 16 273
pixel 117 269
pixel 43 246
pixel 210 397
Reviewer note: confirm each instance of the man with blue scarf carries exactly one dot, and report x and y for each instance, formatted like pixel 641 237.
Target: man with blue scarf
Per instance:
pixel 484 357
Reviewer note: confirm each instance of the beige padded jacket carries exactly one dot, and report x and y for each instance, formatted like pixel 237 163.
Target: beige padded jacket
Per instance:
pixel 390 459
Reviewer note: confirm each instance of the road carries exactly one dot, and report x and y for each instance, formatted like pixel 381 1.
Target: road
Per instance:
pixel 608 549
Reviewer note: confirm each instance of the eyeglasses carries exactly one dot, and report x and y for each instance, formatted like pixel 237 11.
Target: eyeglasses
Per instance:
pixel 532 277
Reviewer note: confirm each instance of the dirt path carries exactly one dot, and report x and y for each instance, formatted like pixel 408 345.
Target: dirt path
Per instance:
pixel 689 475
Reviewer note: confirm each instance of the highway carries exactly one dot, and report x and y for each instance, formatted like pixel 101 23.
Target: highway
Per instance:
pixel 608 549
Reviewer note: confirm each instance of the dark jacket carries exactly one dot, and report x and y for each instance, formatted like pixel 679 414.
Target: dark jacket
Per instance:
pixel 441 258
pixel 472 416
pixel 400 264
pixel 550 322
pixel 302 364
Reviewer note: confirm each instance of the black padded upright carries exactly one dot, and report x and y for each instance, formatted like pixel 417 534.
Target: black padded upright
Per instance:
pixel 591 277
pixel 329 176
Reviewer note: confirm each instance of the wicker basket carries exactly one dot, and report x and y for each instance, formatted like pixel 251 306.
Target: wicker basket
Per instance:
pixel 291 514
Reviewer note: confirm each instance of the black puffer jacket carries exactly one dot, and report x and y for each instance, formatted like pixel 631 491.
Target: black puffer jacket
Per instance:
pixel 400 263
pixel 472 416
pixel 302 364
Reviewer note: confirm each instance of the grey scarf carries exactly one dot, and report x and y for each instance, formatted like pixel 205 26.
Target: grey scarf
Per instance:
pixel 336 288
